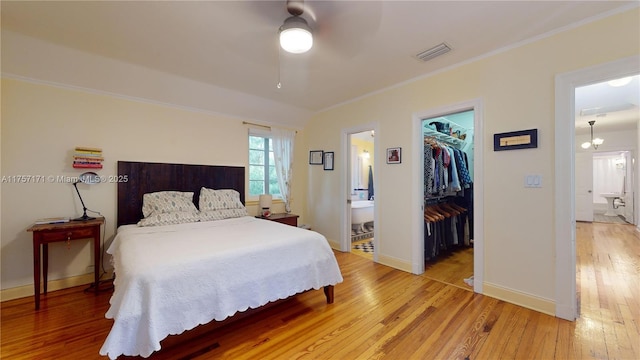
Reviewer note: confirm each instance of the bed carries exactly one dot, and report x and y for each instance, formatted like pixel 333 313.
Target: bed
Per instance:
pixel 173 277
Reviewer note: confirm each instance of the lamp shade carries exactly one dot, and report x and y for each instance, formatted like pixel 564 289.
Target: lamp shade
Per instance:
pixel 265 201
pixel 295 35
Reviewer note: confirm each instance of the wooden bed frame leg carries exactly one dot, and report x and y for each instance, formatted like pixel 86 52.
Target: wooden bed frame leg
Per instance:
pixel 328 292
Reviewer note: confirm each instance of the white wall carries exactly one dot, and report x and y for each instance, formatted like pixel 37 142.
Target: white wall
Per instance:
pixel 25 56
pixel 517 91
pixel 41 126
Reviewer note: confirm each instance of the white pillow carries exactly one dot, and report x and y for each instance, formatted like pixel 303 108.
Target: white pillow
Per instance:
pixel 211 215
pixel 164 202
pixel 176 217
pixel 219 199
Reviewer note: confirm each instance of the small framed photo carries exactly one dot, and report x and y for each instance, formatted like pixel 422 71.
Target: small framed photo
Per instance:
pixel 394 155
pixel 315 157
pixel 328 160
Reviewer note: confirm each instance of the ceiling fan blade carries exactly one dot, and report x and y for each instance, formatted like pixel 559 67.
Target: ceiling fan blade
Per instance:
pixel 295 7
pixel 345 27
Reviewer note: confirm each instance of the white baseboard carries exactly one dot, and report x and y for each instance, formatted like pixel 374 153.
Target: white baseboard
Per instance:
pixel 334 245
pixel 395 263
pixel 533 302
pixel 52 285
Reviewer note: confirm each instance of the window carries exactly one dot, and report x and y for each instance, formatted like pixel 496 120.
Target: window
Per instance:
pixel 262 169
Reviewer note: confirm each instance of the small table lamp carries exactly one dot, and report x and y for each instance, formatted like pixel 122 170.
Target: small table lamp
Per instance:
pixel 265 205
pixel 87 178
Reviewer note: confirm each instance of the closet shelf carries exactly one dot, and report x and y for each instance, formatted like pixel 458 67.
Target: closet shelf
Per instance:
pixel 443 138
pixel 451 124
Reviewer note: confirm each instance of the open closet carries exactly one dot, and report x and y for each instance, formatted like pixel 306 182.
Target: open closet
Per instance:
pixel 448 190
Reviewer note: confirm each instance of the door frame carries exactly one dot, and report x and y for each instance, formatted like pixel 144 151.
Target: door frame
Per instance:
pixel 630 159
pixel 565 218
pixel 417 208
pixel 345 182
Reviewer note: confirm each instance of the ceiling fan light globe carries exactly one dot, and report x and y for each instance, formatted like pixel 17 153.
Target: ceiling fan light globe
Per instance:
pixel 295 35
pixel 619 82
pixel 296 41
pixel 598 141
pixel 586 145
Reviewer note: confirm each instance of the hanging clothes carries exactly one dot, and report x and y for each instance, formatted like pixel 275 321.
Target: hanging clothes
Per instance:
pixel 455 179
pixel 444 229
pixel 429 170
pixel 446 170
pixel 448 195
pixel 461 158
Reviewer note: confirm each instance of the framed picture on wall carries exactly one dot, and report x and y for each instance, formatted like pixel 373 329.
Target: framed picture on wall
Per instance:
pixel 394 155
pixel 315 157
pixel 328 160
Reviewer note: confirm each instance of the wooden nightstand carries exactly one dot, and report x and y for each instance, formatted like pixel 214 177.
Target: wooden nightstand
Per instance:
pixel 44 234
pixel 284 218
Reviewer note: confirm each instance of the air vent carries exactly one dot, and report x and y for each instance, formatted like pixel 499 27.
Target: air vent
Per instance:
pixel 606 109
pixel 433 52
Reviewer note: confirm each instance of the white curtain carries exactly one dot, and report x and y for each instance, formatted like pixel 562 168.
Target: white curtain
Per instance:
pixel 283 141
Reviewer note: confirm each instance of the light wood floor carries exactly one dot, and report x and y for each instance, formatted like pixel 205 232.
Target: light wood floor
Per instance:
pixel 452 268
pixel 379 313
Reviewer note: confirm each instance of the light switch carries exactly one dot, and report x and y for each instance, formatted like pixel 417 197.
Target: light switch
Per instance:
pixel 533 181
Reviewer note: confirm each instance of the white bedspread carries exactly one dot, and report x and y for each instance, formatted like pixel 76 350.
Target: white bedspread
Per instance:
pixel 173 278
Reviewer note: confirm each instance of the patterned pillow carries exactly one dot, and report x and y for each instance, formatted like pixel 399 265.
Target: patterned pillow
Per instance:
pixel 219 199
pixel 176 217
pixel 164 202
pixel 211 215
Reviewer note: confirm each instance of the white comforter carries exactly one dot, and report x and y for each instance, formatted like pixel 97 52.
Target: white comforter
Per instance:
pixel 173 278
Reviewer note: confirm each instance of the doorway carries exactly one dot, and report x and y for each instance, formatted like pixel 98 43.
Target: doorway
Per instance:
pixel 448 198
pixel 358 145
pixel 361 193
pixel 613 187
pixel 606 117
pixel 605 186
pixel 418 244
pixel 565 187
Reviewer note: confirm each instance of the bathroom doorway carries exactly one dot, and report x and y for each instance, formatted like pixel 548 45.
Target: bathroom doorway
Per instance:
pixel 606 138
pixel 361 193
pixel 613 184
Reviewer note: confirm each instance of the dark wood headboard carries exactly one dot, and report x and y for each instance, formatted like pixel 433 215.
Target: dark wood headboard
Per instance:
pixel 143 177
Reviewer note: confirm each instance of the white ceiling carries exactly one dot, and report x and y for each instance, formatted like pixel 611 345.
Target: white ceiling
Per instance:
pixel 360 46
pixel 614 108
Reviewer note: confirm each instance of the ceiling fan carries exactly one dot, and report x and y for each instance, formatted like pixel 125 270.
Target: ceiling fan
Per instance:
pixel 333 28
pixel 340 27
pixel 296 36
